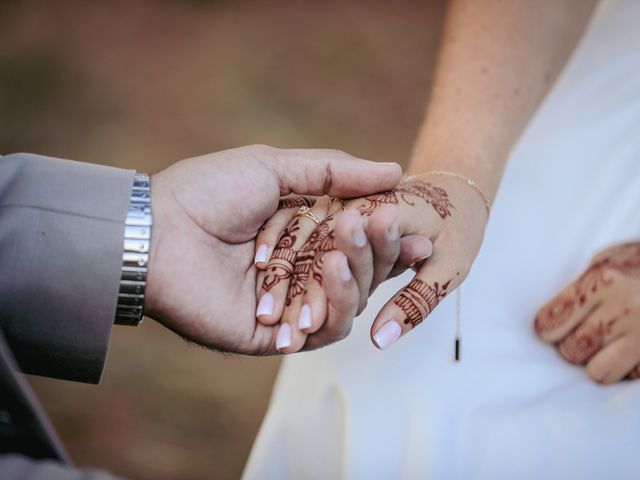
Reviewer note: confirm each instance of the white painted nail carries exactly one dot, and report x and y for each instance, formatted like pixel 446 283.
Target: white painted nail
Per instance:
pixel 359 237
pixel 394 232
pixel 345 272
pixel 283 340
pixel 304 320
pixel 265 306
pixel 261 254
pixel 388 334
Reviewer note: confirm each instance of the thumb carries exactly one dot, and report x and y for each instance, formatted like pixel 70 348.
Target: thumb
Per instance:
pixel 331 172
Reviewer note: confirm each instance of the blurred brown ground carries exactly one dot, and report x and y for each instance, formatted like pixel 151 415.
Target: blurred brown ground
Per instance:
pixel 140 84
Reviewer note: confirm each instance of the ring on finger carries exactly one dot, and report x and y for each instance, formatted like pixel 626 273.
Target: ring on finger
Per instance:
pixel 306 212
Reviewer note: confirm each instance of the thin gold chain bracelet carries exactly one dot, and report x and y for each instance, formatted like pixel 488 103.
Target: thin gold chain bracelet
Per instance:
pixel 459 176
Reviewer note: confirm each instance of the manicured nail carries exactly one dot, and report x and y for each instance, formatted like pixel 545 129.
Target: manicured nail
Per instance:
pixel 394 232
pixel 304 320
pixel 261 254
pixel 359 237
pixel 345 272
pixel 418 260
pixel 283 340
pixel 265 306
pixel 388 334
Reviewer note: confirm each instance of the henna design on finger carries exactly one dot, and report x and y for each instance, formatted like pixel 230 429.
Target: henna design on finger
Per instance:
pixel 418 299
pixel 624 259
pixel 309 260
pixel 432 195
pixel 280 266
pixel 296 202
pixel 587 339
pixel 298 282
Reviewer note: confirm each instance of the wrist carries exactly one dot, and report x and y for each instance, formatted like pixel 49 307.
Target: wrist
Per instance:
pixel 462 178
pixel 153 293
pixel 481 162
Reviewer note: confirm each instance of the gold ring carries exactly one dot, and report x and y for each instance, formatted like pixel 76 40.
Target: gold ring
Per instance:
pixel 306 212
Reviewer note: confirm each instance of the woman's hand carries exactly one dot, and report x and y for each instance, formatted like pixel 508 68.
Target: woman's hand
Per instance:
pixel 442 213
pixel 596 320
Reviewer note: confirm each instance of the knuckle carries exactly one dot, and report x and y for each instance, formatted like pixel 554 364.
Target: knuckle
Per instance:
pixel 569 352
pixel 538 326
pixel 334 152
pixel 260 147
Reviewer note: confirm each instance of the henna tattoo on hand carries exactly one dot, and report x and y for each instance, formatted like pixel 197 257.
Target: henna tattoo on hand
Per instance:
pixel 418 299
pixel 283 259
pixel 376 201
pixel 408 192
pixel 326 242
pixel 296 202
pixel 624 259
pixel 587 339
pixel 433 195
pixel 310 259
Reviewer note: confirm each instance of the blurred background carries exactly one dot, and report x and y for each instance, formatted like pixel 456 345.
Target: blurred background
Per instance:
pixel 143 83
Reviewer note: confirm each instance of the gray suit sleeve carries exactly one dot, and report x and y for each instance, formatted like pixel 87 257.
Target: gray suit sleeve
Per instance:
pixel 18 467
pixel 61 242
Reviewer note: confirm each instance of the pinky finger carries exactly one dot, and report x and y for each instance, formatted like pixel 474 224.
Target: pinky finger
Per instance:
pixel 413 303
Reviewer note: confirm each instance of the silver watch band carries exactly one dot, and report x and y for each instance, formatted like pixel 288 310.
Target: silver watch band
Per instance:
pixel 137 235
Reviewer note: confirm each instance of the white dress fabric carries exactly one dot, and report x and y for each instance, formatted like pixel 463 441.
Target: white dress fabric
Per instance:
pixel 512 408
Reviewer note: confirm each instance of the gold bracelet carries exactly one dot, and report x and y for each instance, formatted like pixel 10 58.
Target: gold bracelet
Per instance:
pixel 468 181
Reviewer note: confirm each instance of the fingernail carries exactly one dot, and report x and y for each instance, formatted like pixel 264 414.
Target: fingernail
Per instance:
pixel 283 340
pixel 394 232
pixel 304 320
pixel 345 272
pixel 388 334
pixel 418 260
pixel 389 163
pixel 261 254
pixel 265 305
pixel 359 237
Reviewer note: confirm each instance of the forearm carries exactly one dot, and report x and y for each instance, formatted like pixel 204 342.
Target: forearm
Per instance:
pixel 497 61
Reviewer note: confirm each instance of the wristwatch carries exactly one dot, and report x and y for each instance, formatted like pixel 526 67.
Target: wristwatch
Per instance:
pixel 135 257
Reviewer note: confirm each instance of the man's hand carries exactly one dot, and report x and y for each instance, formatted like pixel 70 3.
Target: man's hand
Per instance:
pixel 596 320
pixel 207 212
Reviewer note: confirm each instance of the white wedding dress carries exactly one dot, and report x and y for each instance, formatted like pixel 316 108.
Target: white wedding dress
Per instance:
pixel 512 408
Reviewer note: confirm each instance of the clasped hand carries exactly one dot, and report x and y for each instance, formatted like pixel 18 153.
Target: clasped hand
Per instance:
pixel 234 267
pixel 365 240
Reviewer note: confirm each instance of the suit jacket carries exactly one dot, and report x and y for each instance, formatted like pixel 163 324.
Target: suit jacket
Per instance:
pixel 61 244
